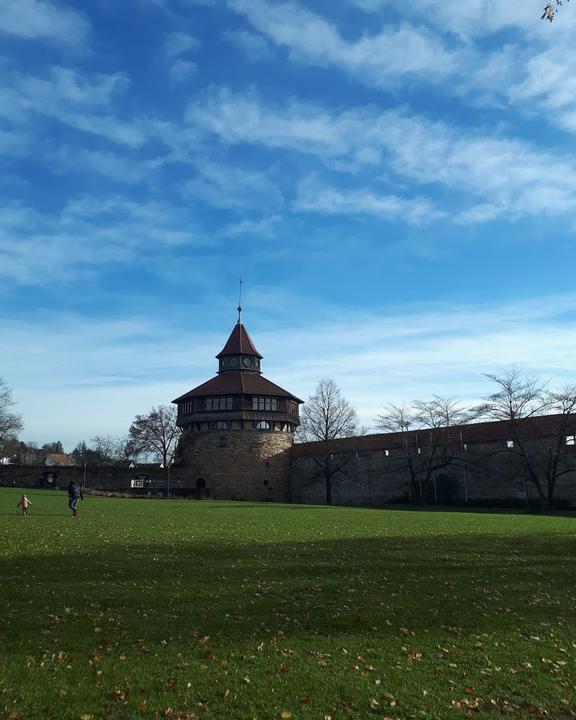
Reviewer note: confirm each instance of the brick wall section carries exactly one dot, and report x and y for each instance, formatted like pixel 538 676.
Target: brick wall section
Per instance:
pixel 238 465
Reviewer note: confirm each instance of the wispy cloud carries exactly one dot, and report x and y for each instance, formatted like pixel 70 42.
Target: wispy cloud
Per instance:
pixel 182 70
pixel 318 198
pixel 78 100
pixel 91 233
pixel 389 57
pixel 41 19
pixel 255 47
pixel 473 18
pixel 180 43
pixel 226 186
pixel 489 175
pixel 104 164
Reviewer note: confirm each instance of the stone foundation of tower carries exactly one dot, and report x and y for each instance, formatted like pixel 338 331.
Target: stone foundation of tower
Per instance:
pixel 243 465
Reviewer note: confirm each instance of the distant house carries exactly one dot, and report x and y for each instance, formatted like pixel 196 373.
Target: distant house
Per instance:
pixel 58 459
pixel 5 461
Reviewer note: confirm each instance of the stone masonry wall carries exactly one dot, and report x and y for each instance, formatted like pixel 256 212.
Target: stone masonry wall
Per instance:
pixel 104 478
pixel 370 477
pixel 241 465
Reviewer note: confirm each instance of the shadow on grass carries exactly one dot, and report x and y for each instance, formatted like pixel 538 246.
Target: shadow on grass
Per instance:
pixel 482 583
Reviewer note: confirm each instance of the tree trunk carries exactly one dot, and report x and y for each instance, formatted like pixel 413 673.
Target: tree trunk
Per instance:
pixel 328 481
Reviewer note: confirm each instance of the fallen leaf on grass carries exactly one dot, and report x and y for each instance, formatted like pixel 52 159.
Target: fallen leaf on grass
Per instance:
pixel 286 714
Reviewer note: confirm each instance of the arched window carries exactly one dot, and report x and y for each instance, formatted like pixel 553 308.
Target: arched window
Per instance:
pixel 262 425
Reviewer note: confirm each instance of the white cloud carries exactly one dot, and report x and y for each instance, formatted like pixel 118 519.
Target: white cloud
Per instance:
pixel 255 47
pixel 79 100
pixel 481 170
pixel 180 43
pixel 549 86
pixel 40 19
pixel 181 70
pixel 389 57
pixel 473 18
pixel 89 234
pixel 226 186
pixel 104 164
pixel 237 118
pixel 265 227
pixel 317 198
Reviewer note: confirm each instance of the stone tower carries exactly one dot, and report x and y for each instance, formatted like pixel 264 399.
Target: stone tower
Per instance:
pixel 238 428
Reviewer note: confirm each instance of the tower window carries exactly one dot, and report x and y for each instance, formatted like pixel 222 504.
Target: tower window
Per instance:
pixel 219 403
pixel 263 403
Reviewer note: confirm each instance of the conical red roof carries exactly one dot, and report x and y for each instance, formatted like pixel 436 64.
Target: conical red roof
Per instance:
pixel 239 343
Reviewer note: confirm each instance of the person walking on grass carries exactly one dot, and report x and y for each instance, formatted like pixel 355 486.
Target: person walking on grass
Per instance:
pixel 24 504
pixel 74 494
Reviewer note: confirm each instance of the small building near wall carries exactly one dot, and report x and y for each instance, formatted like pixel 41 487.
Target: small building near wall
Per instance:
pixel 58 459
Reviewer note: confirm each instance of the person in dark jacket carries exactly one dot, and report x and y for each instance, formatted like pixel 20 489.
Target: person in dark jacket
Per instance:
pixel 74 494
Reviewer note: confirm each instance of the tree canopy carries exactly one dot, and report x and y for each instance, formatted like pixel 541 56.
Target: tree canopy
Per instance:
pixel 327 415
pixel 156 433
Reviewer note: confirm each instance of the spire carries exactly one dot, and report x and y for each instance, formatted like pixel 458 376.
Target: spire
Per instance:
pixel 240 303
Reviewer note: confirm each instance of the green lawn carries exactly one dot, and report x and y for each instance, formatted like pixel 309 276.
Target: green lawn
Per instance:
pixel 183 609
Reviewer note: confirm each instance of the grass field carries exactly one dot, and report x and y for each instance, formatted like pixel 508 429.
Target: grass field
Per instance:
pixel 183 609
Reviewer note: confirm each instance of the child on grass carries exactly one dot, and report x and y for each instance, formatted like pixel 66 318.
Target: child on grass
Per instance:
pixel 24 504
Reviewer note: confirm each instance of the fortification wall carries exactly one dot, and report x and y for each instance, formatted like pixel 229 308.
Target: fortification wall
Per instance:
pixel 103 478
pixel 482 475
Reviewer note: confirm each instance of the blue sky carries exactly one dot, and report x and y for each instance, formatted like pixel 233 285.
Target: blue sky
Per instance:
pixel 396 183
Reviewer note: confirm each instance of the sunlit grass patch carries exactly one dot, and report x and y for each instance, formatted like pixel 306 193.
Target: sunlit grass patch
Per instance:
pixel 150 609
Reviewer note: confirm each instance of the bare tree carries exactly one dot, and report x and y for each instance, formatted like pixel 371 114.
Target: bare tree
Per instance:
pixel 437 446
pixel 397 418
pixel 156 433
pixel 326 416
pixel 550 11
pixel 10 422
pixel 543 459
pixel 519 396
pixel 104 450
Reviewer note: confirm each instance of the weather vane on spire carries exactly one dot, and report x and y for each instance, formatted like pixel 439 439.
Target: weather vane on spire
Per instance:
pixel 240 301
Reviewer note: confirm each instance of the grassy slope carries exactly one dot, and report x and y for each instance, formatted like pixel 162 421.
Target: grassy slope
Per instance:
pixel 147 609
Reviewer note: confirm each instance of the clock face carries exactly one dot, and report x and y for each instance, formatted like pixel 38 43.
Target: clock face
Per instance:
pixel 233 362
pixel 247 362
